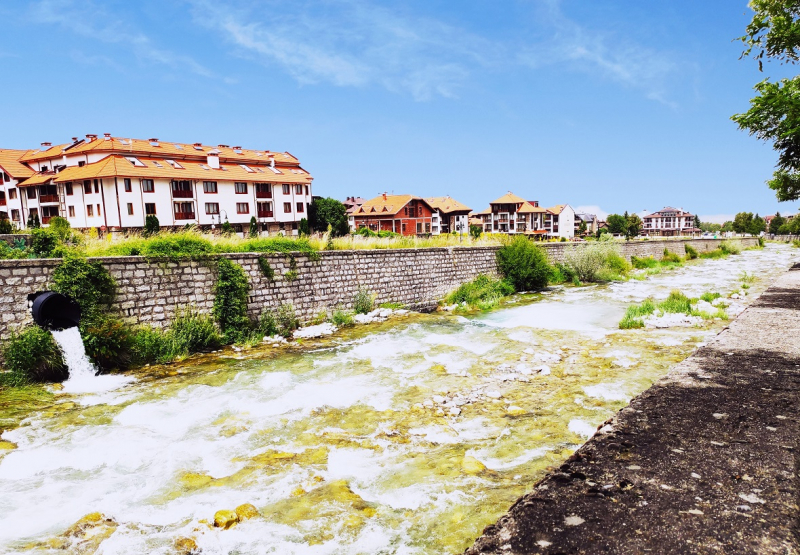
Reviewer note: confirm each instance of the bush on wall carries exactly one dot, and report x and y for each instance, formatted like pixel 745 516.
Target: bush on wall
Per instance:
pixel 523 264
pixel 230 303
pixel 32 355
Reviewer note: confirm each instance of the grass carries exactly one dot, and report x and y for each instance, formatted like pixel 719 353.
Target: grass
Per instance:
pixel 710 297
pixel 392 306
pixel 483 292
pixel 363 301
pixel 599 261
pixel 691 252
pixel 676 303
pixel 342 318
pixel 796 243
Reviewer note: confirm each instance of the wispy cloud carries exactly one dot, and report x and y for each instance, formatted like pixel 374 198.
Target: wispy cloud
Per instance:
pixel 598 53
pixel 592 209
pixel 717 218
pixel 351 43
pixel 92 20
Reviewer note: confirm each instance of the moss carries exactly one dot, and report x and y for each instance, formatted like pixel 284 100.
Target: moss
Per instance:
pixel 230 302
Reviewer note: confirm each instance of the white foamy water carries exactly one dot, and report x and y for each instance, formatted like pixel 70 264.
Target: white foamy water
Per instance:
pixel 343 449
pixel 82 373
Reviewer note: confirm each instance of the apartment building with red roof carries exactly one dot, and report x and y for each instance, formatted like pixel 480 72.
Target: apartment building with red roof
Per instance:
pixel 403 214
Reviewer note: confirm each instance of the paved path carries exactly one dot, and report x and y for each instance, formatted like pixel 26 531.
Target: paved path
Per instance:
pixel 705 461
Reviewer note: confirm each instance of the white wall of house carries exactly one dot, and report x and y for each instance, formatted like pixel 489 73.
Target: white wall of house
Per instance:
pixel 566 223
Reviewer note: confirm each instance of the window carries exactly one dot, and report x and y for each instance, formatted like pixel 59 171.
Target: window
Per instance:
pixel 12 194
pixel 135 161
pixel 87 187
pixel 15 215
pixel 96 186
pixel 427 228
pixel 148 187
pixel 150 208
pixel 285 189
pixel 31 192
pixel 298 189
pixel 98 210
pixel 245 167
pixel 130 209
pixel 300 207
pixel 419 227
pixel 287 207
pixel 264 209
pixel 306 189
pixel 90 210
pixel 68 188
pixel 175 164
pixel 242 208
pixel 210 187
pixel 405 210
pixel 71 211
pixel 128 187
pixel 6 177
pixel 212 208
pixel 81 163
pixel 34 212
pixel 241 188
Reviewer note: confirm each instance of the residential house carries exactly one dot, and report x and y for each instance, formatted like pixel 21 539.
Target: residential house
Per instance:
pixel 669 222
pixel 451 216
pixel 12 172
pixel 591 221
pixel 351 205
pixel 513 214
pixel 115 183
pixel 403 214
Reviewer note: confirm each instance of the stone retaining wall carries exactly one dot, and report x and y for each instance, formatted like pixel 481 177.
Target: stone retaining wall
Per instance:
pixel 150 291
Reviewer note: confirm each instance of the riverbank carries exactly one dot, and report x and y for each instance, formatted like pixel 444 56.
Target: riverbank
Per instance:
pixel 703 461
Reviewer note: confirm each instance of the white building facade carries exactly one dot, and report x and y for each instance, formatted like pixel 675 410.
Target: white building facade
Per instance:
pixel 114 184
pixel 669 221
pixel 515 215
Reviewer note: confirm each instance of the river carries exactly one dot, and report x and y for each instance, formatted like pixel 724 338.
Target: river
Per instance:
pixel 406 437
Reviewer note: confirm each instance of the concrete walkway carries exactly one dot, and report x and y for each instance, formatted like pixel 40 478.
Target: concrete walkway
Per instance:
pixel 705 461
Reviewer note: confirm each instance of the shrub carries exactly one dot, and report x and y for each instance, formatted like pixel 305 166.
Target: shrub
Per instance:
pixel 286 320
pixel 691 253
pixel 644 263
pixel 475 231
pixel 617 263
pixel 761 242
pixel 151 345
pixel 271 244
pixel 363 301
pixel 43 242
pixel 561 273
pixel 151 225
pixel 730 247
pixel 33 355
pixel 230 302
pixel 796 243
pixel 303 229
pixel 107 342
pixel 716 253
pixel 5 225
pixel 267 324
pixel 341 318
pixel 588 260
pixel 671 257
pixel 88 283
pixel 523 264
pixel 677 303
pixel 266 268
pixel 194 331
pixel 253 231
pixel 226 228
pixel 177 246
pixel 483 291
pixel 60 226
pixel 33 221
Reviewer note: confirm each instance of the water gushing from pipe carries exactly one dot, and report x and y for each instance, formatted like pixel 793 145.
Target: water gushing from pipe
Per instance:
pixel 82 373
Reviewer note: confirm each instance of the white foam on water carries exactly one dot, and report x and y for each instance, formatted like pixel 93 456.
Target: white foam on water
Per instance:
pixel 496 463
pixel 607 392
pixel 581 428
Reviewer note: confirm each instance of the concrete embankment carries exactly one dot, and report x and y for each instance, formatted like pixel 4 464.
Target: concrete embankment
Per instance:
pixel 705 461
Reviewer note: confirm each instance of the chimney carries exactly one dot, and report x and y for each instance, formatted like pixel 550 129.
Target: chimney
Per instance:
pixel 198 144
pixel 223 146
pixel 384 195
pixel 213 160
pixel 106 136
pixel 153 142
pixel 74 139
pixel 47 145
pixel 90 137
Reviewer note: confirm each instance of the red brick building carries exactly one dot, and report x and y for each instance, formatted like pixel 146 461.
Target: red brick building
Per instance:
pixel 403 214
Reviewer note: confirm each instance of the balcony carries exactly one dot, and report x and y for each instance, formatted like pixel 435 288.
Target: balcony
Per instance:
pixel 2 202
pixel 263 194
pixel 180 193
pixel 184 216
pixel 44 199
pixel 265 213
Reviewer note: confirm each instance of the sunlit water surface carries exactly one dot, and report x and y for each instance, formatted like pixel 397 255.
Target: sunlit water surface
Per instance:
pixel 409 438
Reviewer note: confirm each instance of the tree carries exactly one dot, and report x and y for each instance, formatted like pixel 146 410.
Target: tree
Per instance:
pixel 742 222
pixel 151 225
pixel 475 231
pixel 226 228
pixel 617 224
pixel 253 231
pixel 582 228
pixel 33 221
pixel 774 114
pixel 601 231
pixel 633 227
pixel 5 224
pixel 727 226
pixel 776 223
pixel 697 222
pixel 328 211
pixel 303 228
pixel 757 225
pixel 709 227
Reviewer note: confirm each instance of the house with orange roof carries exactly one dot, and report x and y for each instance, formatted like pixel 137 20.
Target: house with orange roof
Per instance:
pixel 114 183
pixel 403 214
pixel 12 172
pixel 450 216
pixel 515 215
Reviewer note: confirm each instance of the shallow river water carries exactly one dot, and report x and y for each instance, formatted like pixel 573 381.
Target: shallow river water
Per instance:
pixel 406 437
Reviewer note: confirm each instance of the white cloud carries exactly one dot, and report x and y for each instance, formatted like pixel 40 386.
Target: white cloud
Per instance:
pixel 91 20
pixel 717 218
pixel 592 209
pixel 350 43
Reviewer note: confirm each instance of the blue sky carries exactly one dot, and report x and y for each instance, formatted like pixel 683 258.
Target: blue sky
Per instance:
pixel 617 105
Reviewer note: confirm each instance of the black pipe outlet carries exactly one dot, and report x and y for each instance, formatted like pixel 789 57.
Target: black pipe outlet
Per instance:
pixel 54 311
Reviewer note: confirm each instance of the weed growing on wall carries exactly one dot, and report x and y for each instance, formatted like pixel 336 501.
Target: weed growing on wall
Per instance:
pixel 286 320
pixel 292 274
pixel 483 292
pixel 341 318
pixel 190 332
pixel 691 252
pixel 108 342
pixel 596 261
pixel 32 355
pixel 230 302
pixel 88 283
pixel 266 268
pixel 671 257
pixel 523 264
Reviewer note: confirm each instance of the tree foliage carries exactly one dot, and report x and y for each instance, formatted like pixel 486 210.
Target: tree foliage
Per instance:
pixel 618 225
pixel 523 264
pixel 633 226
pixel 774 114
pixel 328 211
